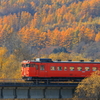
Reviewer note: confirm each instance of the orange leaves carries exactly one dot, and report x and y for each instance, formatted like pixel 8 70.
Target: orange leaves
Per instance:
pixel 29 35
pixel 69 17
pixel 90 34
pixel 47 20
pixel 34 21
pixel 90 7
pixel 61 10
pixel 66 37
pixel 5 30
pixel 97 38
pixel 55 37
pixel 24 33
pixel 93 3
pixel 86 34
pixel 33 4
pixel 16 21
pixel 20 1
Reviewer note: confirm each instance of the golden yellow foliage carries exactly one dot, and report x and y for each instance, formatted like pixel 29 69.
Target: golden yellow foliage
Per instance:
pixel 66 56
pixel 9 66
pixel 3 50
pixel 89 87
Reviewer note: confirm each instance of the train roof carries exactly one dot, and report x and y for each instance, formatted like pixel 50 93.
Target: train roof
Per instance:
pixel 46 60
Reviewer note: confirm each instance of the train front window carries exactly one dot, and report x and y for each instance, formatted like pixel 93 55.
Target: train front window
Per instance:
pixel 27 65
pixel 94 68
pixel 23 65
pixel 42 67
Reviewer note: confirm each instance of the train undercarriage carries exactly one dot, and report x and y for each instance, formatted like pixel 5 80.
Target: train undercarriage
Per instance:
pixel 53 79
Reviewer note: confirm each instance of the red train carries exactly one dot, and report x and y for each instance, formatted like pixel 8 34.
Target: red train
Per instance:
pixel 42 68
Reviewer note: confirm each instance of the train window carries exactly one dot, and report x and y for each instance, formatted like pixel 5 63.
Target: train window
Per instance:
pixel 65 68
pixel 79 68
pixel 27 65
pixel 53 68
pixel 42 67
pixel 87 68
pixel 71 68
pixel 94 68
pixel 23 65
pixel 59 68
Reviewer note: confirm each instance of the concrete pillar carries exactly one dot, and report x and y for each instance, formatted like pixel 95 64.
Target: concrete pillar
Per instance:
pixel 66 92
pixel 8 92
pixel 52 92
pixel 22 92
pixel 37 92
pixel 0 92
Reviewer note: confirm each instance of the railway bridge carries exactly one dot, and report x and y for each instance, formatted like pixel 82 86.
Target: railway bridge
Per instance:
pixel 16 89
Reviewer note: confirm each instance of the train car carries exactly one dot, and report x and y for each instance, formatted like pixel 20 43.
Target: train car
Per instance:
pixel 45 68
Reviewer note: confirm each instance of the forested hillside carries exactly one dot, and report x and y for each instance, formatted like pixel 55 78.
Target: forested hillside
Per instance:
pixel 28 26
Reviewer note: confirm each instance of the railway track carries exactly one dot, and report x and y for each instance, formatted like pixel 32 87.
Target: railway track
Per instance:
pixel 22 83
pixel 36 81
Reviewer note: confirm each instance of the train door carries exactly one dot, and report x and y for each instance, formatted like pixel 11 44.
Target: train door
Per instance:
pixel 36 70
pixel 43 70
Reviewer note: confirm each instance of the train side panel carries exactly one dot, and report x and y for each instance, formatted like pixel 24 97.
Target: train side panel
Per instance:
pixel 34 69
